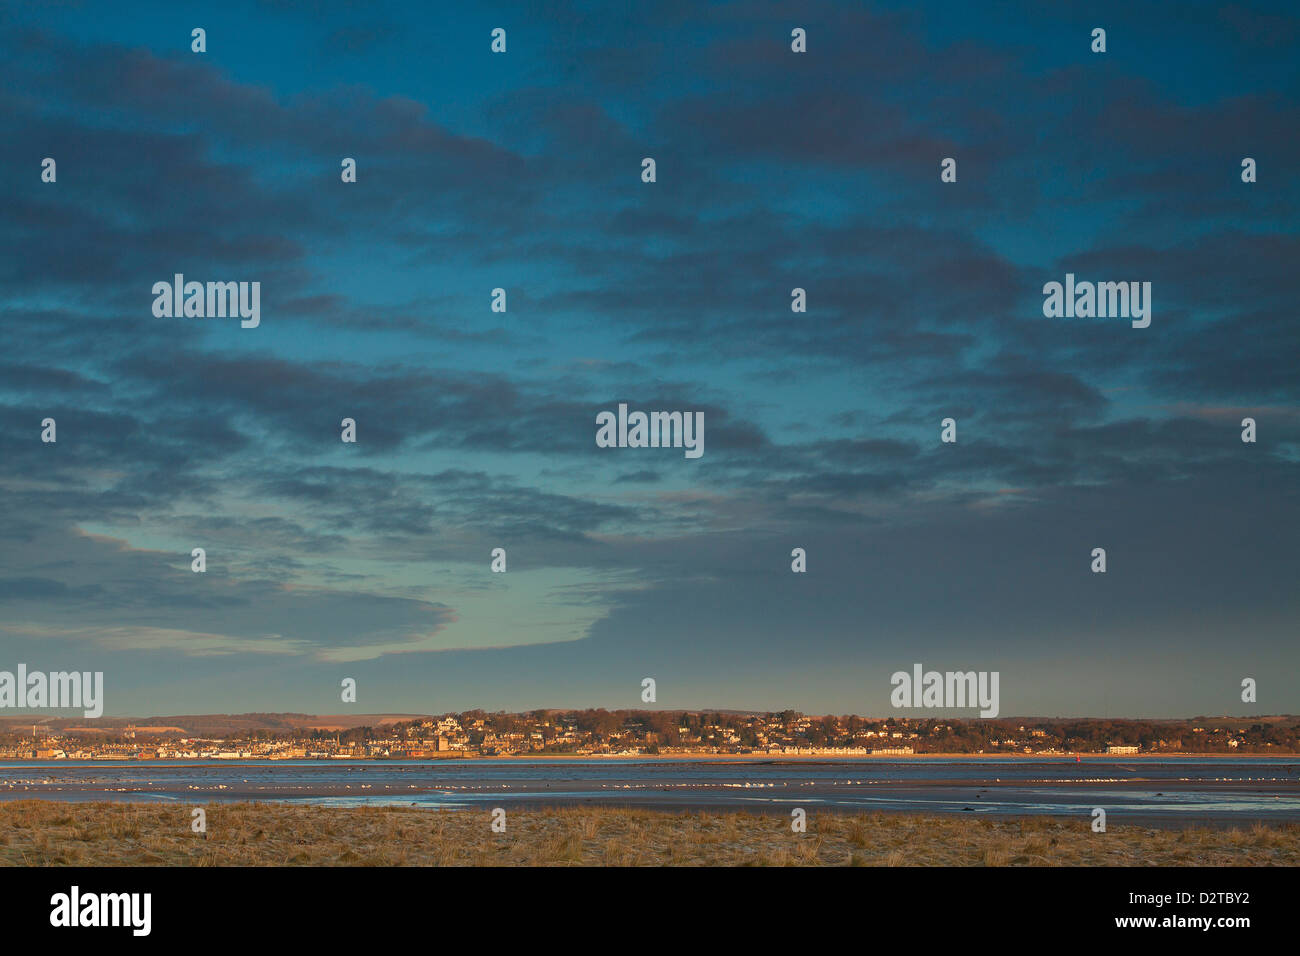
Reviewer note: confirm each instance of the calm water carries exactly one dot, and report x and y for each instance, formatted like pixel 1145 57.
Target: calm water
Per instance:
pixel 1212 788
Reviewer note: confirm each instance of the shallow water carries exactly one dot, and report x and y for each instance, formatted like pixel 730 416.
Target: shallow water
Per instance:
pixel 1213 789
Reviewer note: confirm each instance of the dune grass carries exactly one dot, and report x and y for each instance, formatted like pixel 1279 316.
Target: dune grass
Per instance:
pixel 46 833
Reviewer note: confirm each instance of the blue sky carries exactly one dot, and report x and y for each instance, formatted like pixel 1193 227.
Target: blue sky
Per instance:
pixel 476 429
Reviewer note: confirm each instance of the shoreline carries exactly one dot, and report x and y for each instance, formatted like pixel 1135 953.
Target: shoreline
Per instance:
pixel 1083 758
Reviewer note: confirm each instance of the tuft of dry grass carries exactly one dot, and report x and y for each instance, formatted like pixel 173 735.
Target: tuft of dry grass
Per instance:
pixel 42 833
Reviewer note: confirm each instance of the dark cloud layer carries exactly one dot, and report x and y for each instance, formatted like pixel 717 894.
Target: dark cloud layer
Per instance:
pixel 476 428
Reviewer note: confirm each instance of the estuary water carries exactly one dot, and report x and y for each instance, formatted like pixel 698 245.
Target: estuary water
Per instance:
pixel 1170 791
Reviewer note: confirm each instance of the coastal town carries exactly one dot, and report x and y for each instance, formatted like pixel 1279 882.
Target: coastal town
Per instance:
pixel 602 733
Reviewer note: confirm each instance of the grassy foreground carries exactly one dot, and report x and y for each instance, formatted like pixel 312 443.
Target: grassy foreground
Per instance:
pixel 45 833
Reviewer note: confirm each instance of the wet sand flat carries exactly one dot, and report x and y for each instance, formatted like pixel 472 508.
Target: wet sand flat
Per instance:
pixel 1168 793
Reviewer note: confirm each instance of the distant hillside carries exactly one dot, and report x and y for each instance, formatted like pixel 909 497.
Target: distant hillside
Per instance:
pixel 221 725
pixel 203 725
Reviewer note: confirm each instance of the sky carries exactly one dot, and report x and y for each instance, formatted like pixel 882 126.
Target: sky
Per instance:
pixel 775 170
